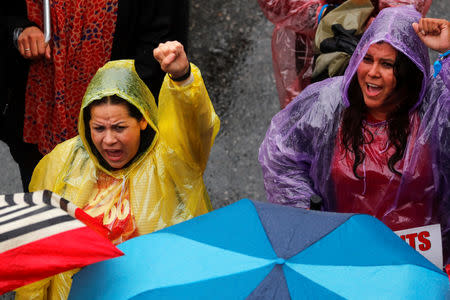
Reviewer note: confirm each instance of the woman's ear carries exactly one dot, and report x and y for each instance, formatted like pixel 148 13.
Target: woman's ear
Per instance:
pixel 143 124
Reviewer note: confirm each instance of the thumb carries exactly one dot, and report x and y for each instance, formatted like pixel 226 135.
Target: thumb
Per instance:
pixel 48 52
pixel 416 28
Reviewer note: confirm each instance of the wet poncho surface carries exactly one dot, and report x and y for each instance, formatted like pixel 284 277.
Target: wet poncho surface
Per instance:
pixel 298 151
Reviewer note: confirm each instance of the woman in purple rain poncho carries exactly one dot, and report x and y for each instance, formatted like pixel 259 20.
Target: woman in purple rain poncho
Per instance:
pixel 390 161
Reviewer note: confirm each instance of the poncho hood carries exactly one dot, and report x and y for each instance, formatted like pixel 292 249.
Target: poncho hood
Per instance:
pixel 119 78
pixel 394 26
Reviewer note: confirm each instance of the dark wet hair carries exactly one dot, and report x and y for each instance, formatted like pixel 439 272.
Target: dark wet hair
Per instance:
pixel 147 134
pixel 409 83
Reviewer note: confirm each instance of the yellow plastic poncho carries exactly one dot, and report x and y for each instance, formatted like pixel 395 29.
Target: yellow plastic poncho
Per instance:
pixel 164 184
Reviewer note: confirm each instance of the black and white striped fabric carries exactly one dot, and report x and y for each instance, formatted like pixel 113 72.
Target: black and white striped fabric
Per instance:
pixel 28 217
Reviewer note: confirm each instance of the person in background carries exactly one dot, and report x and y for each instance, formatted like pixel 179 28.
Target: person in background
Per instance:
pixel 12 103
pixel 84 37
pixel 135 167
pixel 375 140
pixel 293 48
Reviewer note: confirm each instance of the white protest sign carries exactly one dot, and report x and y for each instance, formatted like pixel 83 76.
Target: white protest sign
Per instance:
pixel 427 240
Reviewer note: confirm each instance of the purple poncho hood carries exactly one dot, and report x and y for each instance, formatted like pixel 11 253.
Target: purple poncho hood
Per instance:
pixel 297 152
pixel 393 26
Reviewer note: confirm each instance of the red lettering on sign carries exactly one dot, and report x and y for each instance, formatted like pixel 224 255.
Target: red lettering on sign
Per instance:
pixel 412 239
pixel 426 244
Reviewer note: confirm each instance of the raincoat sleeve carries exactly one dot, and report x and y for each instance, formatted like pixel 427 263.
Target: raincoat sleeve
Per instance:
pixel 444 74
pixel 289 148
pixel 186 119
pixel 47 174
pixel 444 153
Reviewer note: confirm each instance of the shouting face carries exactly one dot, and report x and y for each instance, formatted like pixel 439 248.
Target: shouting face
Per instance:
pixel 377 80
pixel 115 134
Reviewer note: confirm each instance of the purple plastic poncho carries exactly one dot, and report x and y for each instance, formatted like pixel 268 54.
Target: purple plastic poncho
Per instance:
pixel 297 152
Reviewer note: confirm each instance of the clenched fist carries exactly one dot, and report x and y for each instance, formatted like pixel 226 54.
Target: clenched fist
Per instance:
pixel 172 58
pixel 434 33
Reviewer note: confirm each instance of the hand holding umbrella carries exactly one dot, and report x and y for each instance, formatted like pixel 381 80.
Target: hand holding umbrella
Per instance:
pixel 31 44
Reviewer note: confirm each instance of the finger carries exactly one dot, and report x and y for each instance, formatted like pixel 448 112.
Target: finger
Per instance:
pixel 177 47
pixel 416 28
pixel 157 54
pixel 432 27
pixel 422 26
pixel 41 47
pixel 167 49
pixel 21 48
pixel 34 47
pixel 161 52
pixel 48 52
pixel 168 60
pixel 24 47
pixel 173 47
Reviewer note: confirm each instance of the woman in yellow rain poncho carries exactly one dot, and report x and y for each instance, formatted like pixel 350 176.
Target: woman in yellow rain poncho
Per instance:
pixel 136 168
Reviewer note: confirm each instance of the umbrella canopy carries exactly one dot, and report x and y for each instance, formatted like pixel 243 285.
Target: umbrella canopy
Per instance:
pixel 265 251
pixel 42 234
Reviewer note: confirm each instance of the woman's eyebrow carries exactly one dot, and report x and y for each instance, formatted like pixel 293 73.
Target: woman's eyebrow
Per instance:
pixel 389 60
pixel 103 124
pixel 118 123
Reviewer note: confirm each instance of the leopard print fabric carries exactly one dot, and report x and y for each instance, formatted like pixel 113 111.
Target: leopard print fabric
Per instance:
pixel 82 38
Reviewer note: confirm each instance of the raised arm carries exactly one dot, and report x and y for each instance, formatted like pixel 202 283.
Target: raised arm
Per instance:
pixel 435 34
pixel 186 117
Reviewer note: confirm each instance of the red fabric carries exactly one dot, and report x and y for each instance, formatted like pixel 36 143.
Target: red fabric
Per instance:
pixel 377 195
pixel 447 269
pixel 119 220
pixel 55 254
pixel 91 223
pixel 82 37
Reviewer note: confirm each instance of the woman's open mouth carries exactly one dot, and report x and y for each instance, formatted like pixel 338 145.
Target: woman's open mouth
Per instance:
pixel 373 90
pixel 114 155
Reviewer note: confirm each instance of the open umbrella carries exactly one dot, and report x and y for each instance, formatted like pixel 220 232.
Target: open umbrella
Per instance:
pixel 265 251
pixel 42 234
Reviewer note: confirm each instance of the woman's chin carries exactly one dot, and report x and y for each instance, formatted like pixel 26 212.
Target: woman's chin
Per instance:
pixel 115 162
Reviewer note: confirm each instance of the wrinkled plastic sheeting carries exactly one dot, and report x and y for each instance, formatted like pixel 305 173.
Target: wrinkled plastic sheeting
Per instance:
pixel 293 39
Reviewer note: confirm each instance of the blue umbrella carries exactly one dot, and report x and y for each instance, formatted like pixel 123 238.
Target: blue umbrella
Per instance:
pixel 264 251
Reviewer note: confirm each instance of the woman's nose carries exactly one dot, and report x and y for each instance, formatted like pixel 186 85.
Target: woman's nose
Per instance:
pixel 374 70
pixel 110 137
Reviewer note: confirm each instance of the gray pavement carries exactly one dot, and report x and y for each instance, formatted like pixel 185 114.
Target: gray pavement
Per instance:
pixel 230 42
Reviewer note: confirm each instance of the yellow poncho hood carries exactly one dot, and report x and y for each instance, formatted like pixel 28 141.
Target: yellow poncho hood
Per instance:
pixel 119 78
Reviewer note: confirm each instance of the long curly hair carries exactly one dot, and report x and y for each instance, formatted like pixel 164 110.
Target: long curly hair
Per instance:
pixel 406 92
